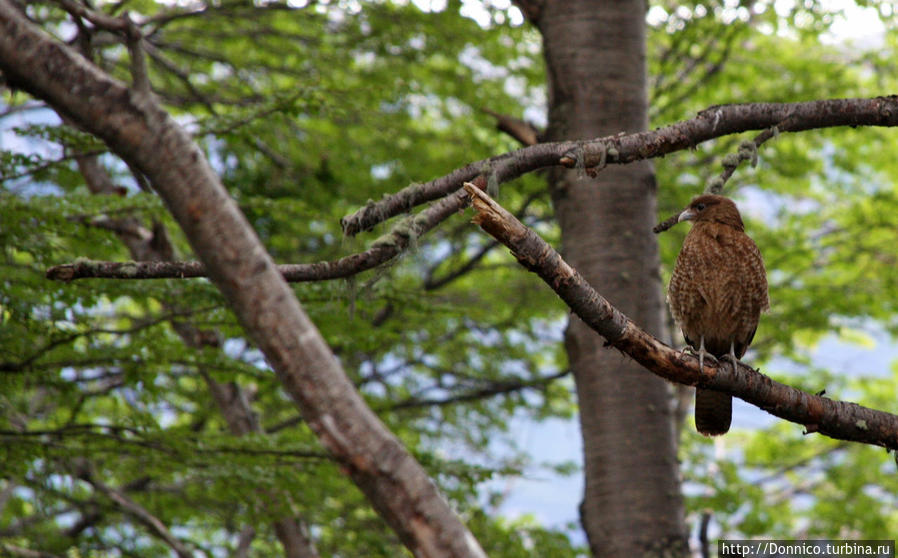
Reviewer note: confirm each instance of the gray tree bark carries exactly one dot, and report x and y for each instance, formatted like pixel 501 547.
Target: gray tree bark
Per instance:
pixel 595 59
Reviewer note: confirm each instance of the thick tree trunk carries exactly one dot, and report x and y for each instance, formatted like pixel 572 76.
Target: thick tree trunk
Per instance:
pixel 595 55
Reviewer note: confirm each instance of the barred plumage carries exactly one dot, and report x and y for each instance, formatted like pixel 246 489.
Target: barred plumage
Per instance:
pixel 717 292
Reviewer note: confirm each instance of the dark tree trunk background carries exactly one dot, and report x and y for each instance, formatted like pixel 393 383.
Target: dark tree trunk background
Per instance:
pixel 595 58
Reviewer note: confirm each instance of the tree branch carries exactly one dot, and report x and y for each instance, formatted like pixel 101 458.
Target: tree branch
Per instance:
pixel 710 123
pixel 381 251
pixel 84 470
pixel 14 550
pixel 109 23
pixel 494 388
pixel 836 419
pixel 143 516
pixel 521 130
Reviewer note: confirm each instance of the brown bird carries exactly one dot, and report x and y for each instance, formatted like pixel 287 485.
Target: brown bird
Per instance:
pixel 717 293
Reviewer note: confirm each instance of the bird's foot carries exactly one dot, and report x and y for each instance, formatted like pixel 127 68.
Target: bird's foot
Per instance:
pixel 700 354
pixel 732 360
pixel 690 350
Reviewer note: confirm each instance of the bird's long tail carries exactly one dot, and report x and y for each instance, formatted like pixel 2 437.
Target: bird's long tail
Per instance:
pixel 713 412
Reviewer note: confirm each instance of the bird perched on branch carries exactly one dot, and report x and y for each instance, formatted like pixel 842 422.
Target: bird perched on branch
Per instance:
pixel 717 293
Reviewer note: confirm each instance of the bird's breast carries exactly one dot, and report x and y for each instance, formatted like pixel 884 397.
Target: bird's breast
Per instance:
pixel 718 287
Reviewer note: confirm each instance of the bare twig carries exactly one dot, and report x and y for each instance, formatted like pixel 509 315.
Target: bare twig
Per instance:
pixel 432 281
pixel 134 39
pixel 659 228
pixel 703 534
pixel 140 513
pixel 49 164
pixel 493 389
pixel 122 26
pixel 748 151
pixel 180 73
pixel 99 19
pixel 521 130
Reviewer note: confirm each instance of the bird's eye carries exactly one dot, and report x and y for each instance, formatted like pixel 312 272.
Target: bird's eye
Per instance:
pixel 700 206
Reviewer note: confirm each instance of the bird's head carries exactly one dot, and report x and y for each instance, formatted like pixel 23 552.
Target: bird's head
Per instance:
pixel 709 208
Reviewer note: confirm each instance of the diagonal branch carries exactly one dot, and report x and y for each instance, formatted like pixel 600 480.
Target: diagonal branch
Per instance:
pixel 710 123
pixel 149 520
pixel 521 130
pixel 135 510
pixel 836 419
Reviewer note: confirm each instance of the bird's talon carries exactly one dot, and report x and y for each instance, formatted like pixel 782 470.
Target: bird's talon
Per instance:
pixel 732 360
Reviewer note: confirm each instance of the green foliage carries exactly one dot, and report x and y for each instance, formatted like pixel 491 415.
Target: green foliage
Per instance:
pixel 306 114
pixel 519 537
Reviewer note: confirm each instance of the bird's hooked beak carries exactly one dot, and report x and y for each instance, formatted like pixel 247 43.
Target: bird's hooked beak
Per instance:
pixel 688 214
